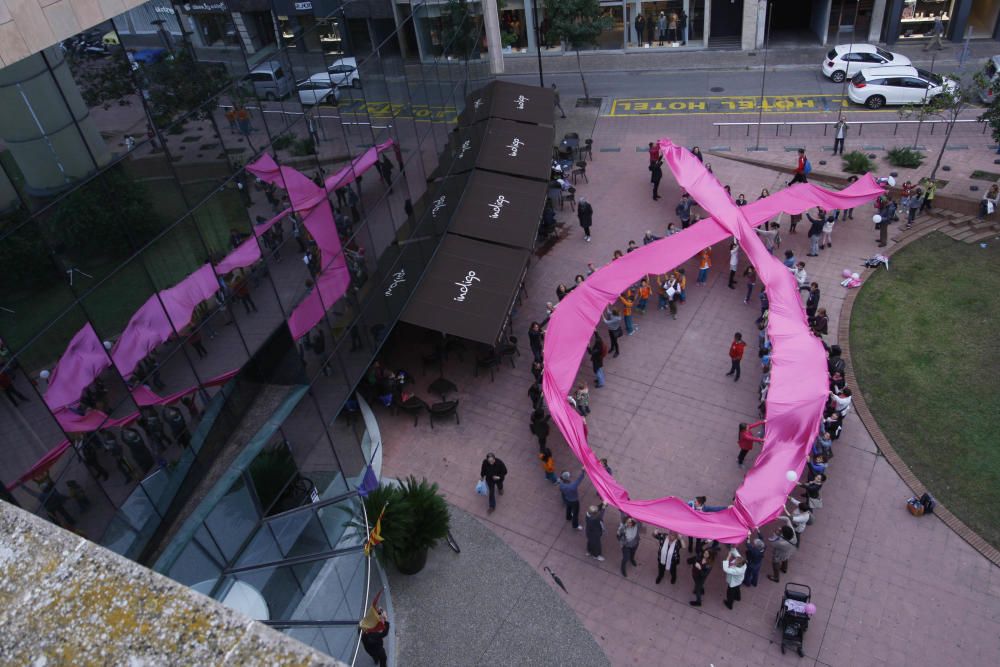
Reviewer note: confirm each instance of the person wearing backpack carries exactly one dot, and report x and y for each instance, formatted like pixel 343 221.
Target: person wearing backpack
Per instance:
pixel 802 168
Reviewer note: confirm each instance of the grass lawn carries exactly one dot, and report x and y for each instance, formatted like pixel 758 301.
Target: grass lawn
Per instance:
pixel 923 351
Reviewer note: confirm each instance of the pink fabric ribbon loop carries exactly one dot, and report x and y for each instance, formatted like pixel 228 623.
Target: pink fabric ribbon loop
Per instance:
pixel 798 385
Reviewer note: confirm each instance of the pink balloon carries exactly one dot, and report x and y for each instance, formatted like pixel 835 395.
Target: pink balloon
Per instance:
pixel 846 273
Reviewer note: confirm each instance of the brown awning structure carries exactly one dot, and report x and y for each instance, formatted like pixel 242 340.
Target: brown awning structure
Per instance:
pixel 469 289
pixel 501 209
pixel 500 145
pixel 511 101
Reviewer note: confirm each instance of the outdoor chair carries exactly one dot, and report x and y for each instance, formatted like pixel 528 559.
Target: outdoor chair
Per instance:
pixel 454 345
pixel 442 388
pixel 587 151
pixel 570 196
pixel 580 170
pixel 443 410
pixel 414 405
pixel 491 362
pixel 432 359
pixel 509 350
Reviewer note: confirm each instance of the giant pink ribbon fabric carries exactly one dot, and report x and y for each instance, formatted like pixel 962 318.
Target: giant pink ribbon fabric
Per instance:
pixel 310 201
pixel 798 376
pixel 154 323
pixel 85 358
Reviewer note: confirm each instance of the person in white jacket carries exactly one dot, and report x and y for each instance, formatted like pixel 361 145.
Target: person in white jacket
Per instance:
pixel 735 566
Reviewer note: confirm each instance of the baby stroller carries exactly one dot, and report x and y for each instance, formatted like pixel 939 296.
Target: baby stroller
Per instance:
pixel 793 616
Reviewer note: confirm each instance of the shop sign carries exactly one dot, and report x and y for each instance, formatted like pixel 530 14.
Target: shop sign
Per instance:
pixel 205 8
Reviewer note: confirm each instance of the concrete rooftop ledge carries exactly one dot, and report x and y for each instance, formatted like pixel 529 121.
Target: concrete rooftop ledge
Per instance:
pixel 67 601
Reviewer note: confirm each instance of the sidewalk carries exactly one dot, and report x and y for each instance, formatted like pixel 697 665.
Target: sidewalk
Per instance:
pixel 691 59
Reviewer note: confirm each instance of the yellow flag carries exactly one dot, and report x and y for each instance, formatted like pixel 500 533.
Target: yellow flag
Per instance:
pixel 375 537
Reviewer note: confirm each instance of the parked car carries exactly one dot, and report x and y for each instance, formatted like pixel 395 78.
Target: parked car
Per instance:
pixel 318 89
pixel 345 72
pixel 846 60
pixel 878 86
pixel 992 72
pixel 269 81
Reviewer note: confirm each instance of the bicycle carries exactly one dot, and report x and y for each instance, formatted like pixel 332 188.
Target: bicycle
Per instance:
pixel 452 543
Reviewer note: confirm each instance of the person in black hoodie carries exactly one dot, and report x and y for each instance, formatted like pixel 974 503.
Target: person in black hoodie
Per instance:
pixel 493 472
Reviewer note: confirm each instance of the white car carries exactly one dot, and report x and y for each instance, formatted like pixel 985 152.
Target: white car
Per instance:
pixel 846 60
pixel 318 89
pixel 879 86
pixel 345 72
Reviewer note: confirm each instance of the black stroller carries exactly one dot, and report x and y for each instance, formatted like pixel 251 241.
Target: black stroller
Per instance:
pixel 793 618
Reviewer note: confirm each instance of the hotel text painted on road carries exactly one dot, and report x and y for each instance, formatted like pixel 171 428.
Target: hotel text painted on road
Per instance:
pixel 667 106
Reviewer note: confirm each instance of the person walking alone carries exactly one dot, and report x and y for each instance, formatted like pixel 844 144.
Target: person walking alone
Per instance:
pixel 735 568
pixel 493 472
pixel 668 555
pixel 594 522
pixel 839 134
pixel 802 168
pixel 585 214
pixel 556 100
pixel 628 538
pixel 936 34
pixel 570 491
pixel 656 176
pixel 736 349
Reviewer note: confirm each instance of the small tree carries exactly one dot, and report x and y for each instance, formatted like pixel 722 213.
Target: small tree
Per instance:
pixel 457 38
pixel 577 23
pixel 956 96
pixel 992 118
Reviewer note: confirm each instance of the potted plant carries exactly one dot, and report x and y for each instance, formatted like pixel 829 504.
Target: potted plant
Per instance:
pixel 414 518
pixel 427 523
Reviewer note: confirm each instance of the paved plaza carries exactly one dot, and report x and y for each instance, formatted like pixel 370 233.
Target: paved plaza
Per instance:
pixel 890 589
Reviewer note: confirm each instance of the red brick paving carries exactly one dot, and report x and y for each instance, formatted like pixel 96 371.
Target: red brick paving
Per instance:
pixel 890 589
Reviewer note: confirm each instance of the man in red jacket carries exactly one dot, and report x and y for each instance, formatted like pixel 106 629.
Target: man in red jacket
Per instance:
pixel 736 355
pixel 800 168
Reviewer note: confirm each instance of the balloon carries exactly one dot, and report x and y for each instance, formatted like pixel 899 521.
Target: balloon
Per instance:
pixel 856 276
pixel 891 181
pixel 792 476
pixel 810 608
pixel 876 218
pixel 846 273
pixel 107 345
pixel 44 375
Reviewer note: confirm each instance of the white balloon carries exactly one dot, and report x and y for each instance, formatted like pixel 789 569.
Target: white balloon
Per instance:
pixel 876 218
pixel 791 475
pixel 891 181
pixel 107 345
pixel 44 375
pixel 856 276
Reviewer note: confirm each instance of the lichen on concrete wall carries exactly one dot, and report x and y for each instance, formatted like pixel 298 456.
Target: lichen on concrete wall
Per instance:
pixel 67 601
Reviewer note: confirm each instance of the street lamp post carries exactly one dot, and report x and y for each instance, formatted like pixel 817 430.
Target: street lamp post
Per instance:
pixel 763 74
pixel 538 42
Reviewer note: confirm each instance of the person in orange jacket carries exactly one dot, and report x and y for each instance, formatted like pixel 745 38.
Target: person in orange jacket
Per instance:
pixel 704 264
pixel 628 302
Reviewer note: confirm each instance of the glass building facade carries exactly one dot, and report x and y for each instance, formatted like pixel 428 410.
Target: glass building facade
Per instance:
pixel 230 456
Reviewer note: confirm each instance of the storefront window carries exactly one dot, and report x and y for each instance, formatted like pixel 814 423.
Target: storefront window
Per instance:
pixel 983 18
pixel 513 26
pixel 918 17
pixel 216 29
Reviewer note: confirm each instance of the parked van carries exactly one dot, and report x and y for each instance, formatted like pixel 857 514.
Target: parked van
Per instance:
pixel 992 73
pixel 270 82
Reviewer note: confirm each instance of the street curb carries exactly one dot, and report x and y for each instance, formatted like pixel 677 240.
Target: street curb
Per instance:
pixel 870 423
